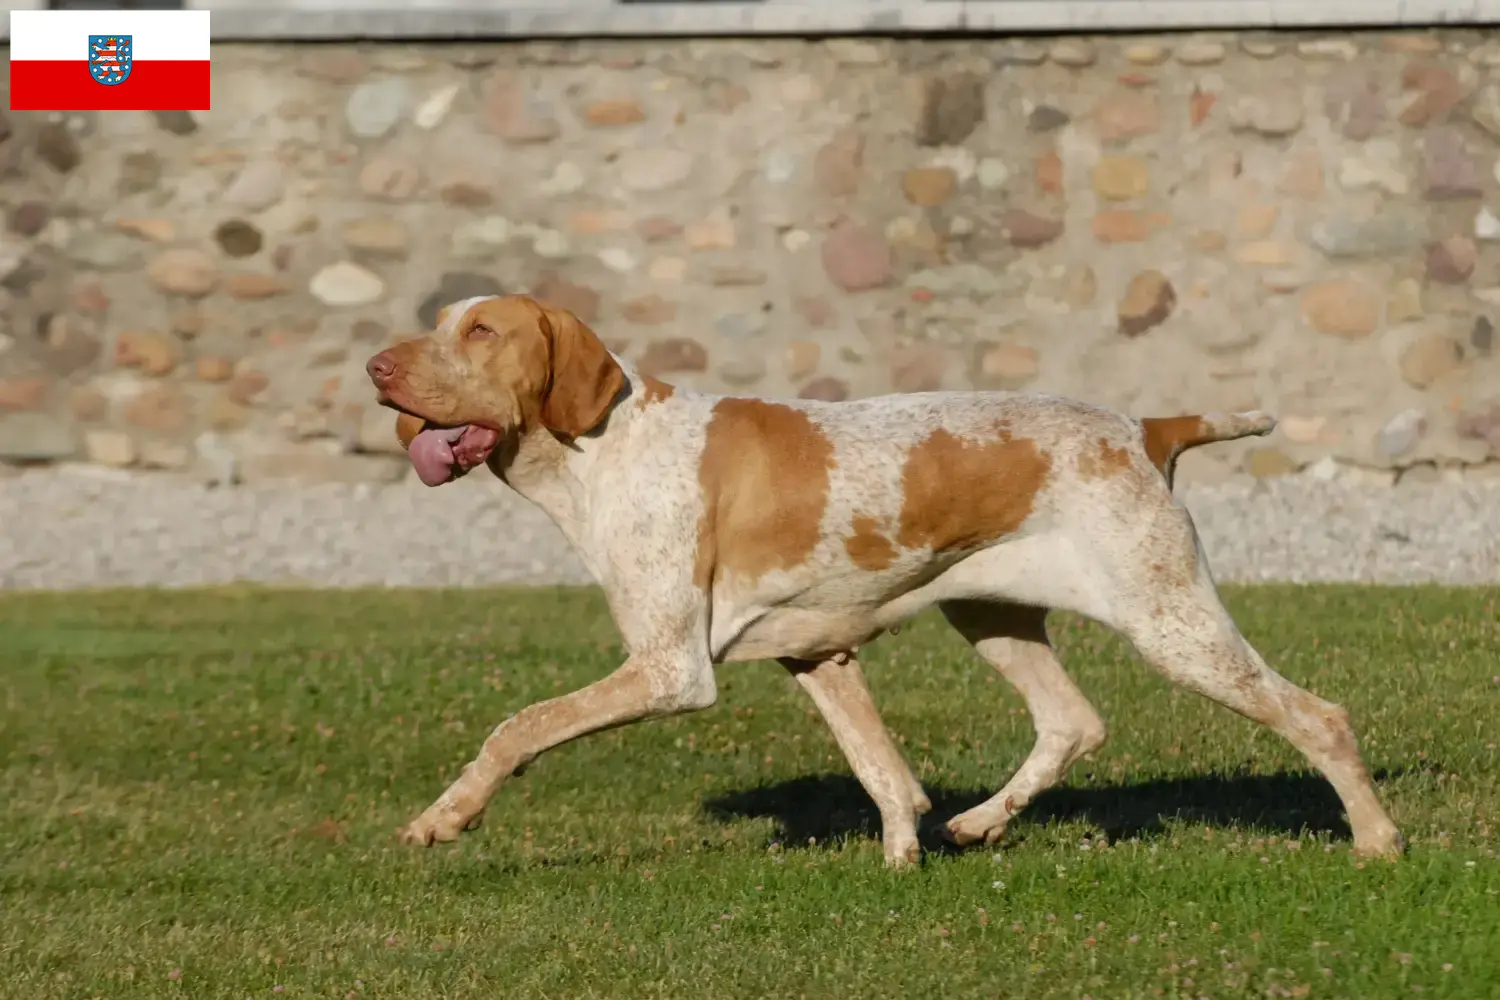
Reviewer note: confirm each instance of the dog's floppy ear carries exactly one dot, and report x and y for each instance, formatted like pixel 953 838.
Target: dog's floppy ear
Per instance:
pixel 584 379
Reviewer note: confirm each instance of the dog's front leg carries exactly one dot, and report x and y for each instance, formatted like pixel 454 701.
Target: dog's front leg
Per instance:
pixel 645 686
pixel 837 686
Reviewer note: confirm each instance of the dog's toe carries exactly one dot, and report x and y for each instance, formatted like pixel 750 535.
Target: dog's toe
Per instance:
pixel 902 856
pixel 1386 843
pixel 975 827
pixel 429 829
pixel 415 834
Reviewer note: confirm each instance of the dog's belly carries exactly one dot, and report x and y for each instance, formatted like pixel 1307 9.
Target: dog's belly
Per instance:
pixel 803 633
pixel 810 620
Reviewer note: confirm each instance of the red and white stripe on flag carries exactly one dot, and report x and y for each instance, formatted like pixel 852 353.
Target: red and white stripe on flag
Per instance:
pixel 109 60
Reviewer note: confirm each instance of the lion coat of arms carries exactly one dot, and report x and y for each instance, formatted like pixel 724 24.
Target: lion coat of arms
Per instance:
pixel 110 58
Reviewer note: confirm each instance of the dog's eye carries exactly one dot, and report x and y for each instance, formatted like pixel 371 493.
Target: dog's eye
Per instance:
pixel 479 332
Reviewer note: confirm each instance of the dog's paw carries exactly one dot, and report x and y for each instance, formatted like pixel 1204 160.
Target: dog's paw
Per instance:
pixel 977 826
pixel 902 854
pixel 1385 842
pixel 438 827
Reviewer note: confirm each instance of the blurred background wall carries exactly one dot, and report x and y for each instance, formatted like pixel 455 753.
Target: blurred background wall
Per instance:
pixel 1302 221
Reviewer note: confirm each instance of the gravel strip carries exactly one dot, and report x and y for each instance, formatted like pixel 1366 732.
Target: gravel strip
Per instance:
pixel 81 526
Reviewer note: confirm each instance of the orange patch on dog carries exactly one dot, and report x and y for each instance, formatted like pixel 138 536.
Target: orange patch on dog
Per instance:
pixel 656 391
pixel 962 494
pixel 1104 462
pixel 1167 437
pixel 868 547
pixel 764 475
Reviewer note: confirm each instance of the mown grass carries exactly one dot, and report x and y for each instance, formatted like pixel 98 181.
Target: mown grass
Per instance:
pixel 201 790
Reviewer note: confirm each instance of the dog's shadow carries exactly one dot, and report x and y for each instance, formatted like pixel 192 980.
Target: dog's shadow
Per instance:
pixel 831 807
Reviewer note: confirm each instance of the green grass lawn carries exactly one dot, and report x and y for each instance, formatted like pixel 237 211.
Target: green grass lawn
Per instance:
pixel 201 792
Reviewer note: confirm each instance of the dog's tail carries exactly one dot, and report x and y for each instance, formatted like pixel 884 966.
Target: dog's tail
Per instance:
pixel 1167 437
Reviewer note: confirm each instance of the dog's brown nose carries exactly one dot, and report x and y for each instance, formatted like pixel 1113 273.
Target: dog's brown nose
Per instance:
pixel 381 367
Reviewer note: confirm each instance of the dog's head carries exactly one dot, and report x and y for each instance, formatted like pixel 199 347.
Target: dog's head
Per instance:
pixel 494 368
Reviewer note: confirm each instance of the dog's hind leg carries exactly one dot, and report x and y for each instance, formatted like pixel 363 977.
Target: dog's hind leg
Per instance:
pixel 1013 639
pixel 1189 637
pixel 1155 588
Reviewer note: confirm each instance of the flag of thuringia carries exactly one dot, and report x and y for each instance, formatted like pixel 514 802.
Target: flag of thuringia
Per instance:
pixel 109 60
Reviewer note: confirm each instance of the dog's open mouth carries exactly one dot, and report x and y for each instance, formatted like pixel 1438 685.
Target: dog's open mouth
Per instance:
pixel 442 454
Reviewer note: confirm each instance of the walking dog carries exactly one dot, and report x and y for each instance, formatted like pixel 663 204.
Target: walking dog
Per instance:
pixel 726 528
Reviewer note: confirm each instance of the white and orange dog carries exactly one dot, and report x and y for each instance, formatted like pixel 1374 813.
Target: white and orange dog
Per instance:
pixel 732 528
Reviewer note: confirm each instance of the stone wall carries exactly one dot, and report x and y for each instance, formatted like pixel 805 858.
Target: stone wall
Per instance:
pixel 1158 224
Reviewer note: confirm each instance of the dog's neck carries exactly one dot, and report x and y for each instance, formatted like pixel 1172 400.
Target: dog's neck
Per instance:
pixel 555 473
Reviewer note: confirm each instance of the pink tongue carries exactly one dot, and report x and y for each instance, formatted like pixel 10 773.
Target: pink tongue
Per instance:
pixel 431 454
pixel 442 454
